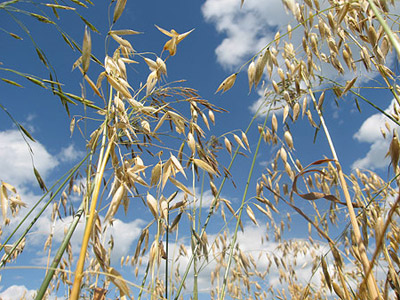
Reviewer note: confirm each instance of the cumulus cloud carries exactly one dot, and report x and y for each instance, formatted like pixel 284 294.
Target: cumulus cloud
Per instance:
pixel 69 154
pixel 16 163
pixel 247 29
pixel 17 292
pixel 370 132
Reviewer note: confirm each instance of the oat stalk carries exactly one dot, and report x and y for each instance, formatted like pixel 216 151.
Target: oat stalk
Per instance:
pixel 37 216
pixel 371 282
pixel 103 158
pixel 234 238
pixel 60 252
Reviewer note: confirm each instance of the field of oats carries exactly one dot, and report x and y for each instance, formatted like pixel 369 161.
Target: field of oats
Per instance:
pixel 169 164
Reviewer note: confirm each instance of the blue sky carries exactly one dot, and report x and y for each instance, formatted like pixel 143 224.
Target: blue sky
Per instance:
pixel 225 37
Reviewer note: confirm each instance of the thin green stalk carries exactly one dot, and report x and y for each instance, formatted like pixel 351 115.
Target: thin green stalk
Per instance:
pixel 213 204
pixel 194 253
pixel 72 172
pixel 233 242
pixel 144 280
pixel 166 253
pixel 49 275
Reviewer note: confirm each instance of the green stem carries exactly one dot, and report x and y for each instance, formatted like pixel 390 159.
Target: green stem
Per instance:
pixel 43 288
pixel 72 172
pixel 234 239
pixel 213 204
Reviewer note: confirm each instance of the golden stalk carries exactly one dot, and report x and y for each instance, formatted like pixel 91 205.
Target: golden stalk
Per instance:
pixel 371 282
pixel 88 229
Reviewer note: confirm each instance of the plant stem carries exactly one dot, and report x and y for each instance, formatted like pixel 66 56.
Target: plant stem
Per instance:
pixel 88 229
pixel 49 275
pixel 66 180
pixel 371 282
pixel 234 239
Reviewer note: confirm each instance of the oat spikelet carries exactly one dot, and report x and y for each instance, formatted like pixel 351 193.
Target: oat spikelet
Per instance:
pixel 394 151
pixel 86 50
pixel 274 123
pixel 156 174
pixel 227 83
pixel 239 141
pixel 296 111
pixel 338 290
pixel 152 204
pixel 119 8
pixel 245 140
pixel 251 215
pixel 326 273
pixel 191 142
pixel 251 73
pixel 228 145
pixel 211 116
pixel 115 202
pixel 288 139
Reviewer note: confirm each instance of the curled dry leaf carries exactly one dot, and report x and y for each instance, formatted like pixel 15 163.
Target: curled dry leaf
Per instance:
pixel 316 195
pixel 227 83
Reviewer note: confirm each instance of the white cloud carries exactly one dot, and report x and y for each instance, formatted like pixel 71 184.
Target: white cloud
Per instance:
pixel 16 164
pixel 124 234
pixel 69 154
pixel 370 132
pixel 247 29
pixel 15 292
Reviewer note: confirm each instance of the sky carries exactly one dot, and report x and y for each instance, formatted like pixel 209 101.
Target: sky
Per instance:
pixel 226 36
